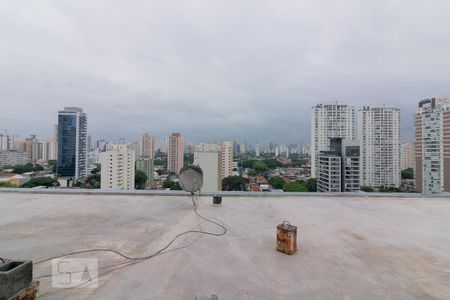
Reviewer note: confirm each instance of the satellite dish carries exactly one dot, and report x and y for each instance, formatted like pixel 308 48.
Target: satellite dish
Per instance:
pixel 191 179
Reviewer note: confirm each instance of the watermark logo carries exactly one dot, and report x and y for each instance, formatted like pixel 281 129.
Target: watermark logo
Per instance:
pixel 75 272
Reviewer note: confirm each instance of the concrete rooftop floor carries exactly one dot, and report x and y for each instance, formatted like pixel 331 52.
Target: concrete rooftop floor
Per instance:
pixel 348 248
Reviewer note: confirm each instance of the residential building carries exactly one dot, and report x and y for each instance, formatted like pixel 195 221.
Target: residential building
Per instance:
pixel 407 158
pixel 147 146
pixel 432 145
pixel 12 157
pixel 340 167
pixel 208 159
pixel 49 150
pixel 175 155
pixel 379 134
pixel 118 167
pixel 329 173
pixel 9 141
pixel 329 120
pixel 72 143
pixel 145 164
pixel 226 159
pixel 33 147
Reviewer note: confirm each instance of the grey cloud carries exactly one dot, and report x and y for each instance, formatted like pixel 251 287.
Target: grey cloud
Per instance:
pixel 246 70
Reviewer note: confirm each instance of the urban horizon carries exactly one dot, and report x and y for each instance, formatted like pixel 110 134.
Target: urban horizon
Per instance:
pixel 405 136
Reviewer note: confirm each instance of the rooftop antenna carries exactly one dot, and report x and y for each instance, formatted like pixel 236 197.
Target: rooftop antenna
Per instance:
pixel 191 179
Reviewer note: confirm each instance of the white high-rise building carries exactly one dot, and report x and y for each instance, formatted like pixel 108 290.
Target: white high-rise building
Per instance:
pixel 379 134
pixel 118 167
pixel 207 157
pixel 147 145
pixel 49 150
pixel 226 159
pixel 407 159
pixel 329 120
pixel 432 145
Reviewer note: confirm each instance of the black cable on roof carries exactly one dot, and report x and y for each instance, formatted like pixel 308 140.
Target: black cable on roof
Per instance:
pixel 135 260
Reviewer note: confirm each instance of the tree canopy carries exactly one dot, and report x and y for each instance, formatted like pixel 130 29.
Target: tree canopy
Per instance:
pixel 408 173
pixel 277 182
pixel 20 169
pixel 41 181
pixel 295 187
pixel 139 179
pixel 170 184
pixel 234 183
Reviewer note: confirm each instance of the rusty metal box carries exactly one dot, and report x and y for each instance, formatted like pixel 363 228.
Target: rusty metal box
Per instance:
pixel 287 238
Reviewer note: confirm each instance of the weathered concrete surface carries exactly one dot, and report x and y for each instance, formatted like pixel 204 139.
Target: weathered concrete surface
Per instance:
pixel 348 248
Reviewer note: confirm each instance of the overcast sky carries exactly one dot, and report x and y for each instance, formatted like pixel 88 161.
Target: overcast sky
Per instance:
pixel 242 70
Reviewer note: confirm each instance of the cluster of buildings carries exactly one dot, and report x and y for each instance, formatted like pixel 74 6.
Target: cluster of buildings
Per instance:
pixel 14 151
pixel 351 150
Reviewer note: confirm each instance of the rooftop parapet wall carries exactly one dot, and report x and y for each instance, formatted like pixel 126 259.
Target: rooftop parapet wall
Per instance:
pixel 221 193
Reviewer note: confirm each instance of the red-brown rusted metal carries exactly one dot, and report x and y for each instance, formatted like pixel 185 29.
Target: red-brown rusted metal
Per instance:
pixel 287 238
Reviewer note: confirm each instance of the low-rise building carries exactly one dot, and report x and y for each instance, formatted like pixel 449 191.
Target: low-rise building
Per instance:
pixel 145 164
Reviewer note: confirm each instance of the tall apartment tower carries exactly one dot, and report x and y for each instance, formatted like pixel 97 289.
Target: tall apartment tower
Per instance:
pixel 340 167
pixel 226 159
pixel 175 155
pixel 147 145
pixel 72 143
pixel 117 167
pixel 329 120
pixel 407 158
pixel 379 134
pixel 432 145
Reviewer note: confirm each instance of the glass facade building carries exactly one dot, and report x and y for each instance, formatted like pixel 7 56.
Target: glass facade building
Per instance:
pixel 72 143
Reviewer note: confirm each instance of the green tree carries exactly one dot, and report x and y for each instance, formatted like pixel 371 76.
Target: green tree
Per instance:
pixel 252 173
pixel 295 187
pixel 311 184
pixel 38 168
pixel 20 169
pixel 93 181
pixel 367 189
pixel 234 183
pixel 172 185
pixel 408 173
pixel 272 163
pixel 247 163
pixel 40 181
pixel 53 164
pixel 276 182
pixel 259 166
pixel 96 170
pixel 139 179
pixel 188 159
pixel 176 186
pixel 168 183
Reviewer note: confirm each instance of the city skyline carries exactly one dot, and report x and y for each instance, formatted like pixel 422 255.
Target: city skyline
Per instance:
pixel 204 69
pixel 406 134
